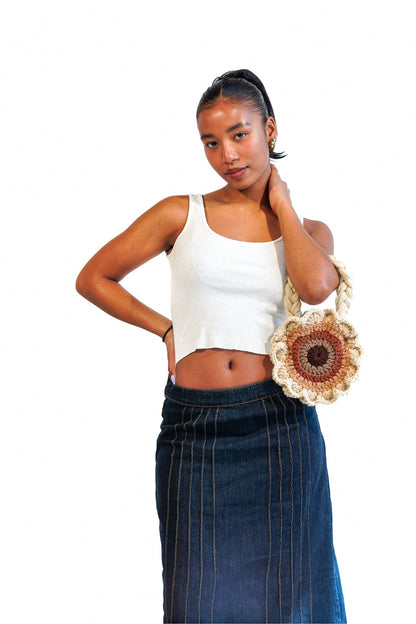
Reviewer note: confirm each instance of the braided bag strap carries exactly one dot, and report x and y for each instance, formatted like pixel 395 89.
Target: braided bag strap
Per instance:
pixel 344 292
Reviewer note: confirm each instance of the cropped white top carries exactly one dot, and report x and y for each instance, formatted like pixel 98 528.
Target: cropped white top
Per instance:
pixel 226 293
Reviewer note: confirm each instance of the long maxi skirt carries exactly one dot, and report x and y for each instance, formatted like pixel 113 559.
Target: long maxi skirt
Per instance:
pixel 245 511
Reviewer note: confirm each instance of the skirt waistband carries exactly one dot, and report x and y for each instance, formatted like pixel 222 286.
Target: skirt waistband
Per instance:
pixel 237 395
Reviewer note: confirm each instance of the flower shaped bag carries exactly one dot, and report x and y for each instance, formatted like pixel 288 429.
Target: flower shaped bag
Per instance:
pixel 316 354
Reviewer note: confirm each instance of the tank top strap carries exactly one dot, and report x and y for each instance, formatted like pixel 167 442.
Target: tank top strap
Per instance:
pixel 196 200
pixel 195 219
pixel 196 208
pixel 194 224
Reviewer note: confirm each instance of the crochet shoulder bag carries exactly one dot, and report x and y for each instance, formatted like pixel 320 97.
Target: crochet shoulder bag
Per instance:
pixel 316 354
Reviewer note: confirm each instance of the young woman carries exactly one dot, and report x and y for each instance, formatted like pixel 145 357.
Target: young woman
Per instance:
pixel 242 486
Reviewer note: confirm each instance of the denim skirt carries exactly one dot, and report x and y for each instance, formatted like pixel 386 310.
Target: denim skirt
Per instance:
pixel 244 507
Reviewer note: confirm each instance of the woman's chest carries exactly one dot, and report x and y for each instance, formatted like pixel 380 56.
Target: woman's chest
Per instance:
pixel 244 225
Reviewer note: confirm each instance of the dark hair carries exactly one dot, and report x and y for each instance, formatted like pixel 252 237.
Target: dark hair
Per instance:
pixel 240 84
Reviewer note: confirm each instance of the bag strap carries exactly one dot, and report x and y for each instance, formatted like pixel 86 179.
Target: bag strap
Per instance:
pixel 343 298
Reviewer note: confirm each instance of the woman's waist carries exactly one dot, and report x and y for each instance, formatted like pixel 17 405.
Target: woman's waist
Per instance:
pixel 214 369
pixel 225 397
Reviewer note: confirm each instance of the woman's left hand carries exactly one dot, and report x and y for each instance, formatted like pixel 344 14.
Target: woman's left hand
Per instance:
pixel 279 193
pixel 306 248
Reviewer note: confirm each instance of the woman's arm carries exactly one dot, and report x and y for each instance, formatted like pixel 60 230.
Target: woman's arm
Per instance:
pixel 306 247
pixel 153 232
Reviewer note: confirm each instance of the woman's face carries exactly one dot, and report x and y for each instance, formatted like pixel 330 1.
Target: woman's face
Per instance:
pixel 236 142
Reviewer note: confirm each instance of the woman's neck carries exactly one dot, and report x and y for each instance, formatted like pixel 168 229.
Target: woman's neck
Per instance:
pixel 256 197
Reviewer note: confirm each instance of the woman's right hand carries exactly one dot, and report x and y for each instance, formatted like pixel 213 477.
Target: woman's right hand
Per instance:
pixel 170 348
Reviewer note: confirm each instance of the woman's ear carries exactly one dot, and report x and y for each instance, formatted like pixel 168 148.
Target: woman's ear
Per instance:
pixel 271 129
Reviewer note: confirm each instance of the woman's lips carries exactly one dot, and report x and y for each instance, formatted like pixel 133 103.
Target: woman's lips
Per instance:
pixel 236 173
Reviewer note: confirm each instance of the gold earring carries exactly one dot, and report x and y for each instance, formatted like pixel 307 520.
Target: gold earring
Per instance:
pixel 272 144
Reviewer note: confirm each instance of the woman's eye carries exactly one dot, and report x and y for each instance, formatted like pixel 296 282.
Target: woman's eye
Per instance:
pixel 240 135
pixel 210 144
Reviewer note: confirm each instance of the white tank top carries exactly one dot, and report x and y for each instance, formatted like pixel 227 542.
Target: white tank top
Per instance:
pixel 226 294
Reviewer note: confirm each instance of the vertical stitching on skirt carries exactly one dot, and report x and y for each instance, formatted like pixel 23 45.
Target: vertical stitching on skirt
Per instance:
pixel 308 498
pixel 214 552
pixel 279 458
pixel 338 601
pixel 291 506
pixel 269 520
pixel 300 508
pixel 201 524
pixel 178 508
pixel 189 517
pixel 168 507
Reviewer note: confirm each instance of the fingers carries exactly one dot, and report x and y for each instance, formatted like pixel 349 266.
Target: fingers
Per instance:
pixel 274 170
pixel 171 367
pixel 171 364
pixel 279 193
pixel 170 346
pixel 275 178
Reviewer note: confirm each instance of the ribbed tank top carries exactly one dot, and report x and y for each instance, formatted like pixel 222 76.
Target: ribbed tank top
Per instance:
pixel 226 294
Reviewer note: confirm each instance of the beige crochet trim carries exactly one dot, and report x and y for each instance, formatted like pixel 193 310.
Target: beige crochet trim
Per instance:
pixel 316 355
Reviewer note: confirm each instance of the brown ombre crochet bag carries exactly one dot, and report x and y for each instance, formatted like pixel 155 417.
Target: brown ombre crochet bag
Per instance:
pixel 316 354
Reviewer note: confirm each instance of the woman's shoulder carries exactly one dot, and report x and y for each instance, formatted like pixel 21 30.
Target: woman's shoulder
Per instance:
pixel 169 216
pixel 173 202
pixel 170 210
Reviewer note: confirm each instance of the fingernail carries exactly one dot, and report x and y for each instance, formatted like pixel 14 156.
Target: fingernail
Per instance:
pixel 173 380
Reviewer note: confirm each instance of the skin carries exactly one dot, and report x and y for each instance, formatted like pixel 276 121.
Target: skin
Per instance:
pixel 254 205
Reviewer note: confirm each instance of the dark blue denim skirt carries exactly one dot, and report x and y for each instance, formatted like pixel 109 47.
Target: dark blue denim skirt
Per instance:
pixel 244 507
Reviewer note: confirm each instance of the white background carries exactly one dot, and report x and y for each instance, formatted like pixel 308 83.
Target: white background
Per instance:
pixel 97 124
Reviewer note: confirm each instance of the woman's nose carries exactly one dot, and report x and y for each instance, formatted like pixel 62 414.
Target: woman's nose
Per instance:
pixel 229 154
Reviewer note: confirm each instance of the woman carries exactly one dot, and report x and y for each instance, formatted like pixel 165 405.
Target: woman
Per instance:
pixel 242 487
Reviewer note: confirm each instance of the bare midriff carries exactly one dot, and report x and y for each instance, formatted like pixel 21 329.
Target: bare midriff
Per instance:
pixel 219 368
